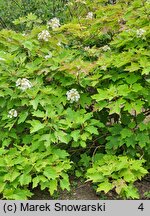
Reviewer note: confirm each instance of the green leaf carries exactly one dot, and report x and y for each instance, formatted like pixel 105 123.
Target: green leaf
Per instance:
pixel 133 67
pixel 132 78
pixel 32 17
pixel 11 176
pixel 19 194
pixel 22 117
pixel 38 113
pixel 102 95
pixel 78 173
pixel 36 126
pixel 50 173
pixel 137 87
pixel 127 175
pixel 44 185
pixel 105 186
pixel 2 186
pixel 131 192
pixel 14 175
pixel 34 103
pixel 42 178
pixel 140 118
pixel 123 90
pixel 35 181
pixel 114 142
pixel 138 105
pixel 28 44
pixel 85 160
pixel 62 136
pixel 146 71
pixel 75 135
pixel 64 183
pixel 126 132
pixel 48 139
pixel 143 139
pixel 82 144
pixel 132 125
pixel 115 106
pixel 75 144
pixel 92 130
pixel 125 119
pixel 100 105
pixel 85 100
pixel 143 126
pixel 25 179
pixel 61 153
pixel 95 176
pixel 131 141
pixel 85 136
pixel 52 186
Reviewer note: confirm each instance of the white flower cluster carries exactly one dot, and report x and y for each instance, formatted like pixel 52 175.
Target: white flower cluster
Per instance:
pixel 12 113
pixel 59 44
pixel 140 32
pixel 89 15
pixel 106 48
pixel 2 59
pixel 86 48
pixel 69 4
pixel 23 84
pixel 48 56
pixel 80 1
pixel 73 95
pixel 54 23
pixel 44 35
pixel 103 68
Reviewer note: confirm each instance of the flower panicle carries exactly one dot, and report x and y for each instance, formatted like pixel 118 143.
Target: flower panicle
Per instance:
pixel 44 35
pixel 12 113
pixel 23 84
pixel 73 95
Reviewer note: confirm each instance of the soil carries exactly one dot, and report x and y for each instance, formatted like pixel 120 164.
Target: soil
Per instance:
pixel 84 191
pixel 79 191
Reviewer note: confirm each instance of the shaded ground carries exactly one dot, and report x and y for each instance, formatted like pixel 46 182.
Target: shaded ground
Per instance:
pixel 143 187
pixel 85 191
pixel 79 191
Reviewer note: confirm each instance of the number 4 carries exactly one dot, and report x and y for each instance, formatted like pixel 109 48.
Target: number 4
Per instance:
pixel 141 207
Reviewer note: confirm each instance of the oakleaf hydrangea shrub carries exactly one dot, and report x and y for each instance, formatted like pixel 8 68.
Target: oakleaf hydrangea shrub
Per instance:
pixel 116 172
pixel 71 92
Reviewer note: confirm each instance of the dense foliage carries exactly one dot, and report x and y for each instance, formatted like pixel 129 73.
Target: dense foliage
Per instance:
pixel 75 98
pixel 11 10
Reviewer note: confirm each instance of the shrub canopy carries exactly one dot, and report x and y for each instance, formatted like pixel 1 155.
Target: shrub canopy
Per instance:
pixel 75 97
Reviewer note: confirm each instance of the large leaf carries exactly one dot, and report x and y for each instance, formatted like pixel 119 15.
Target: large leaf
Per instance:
pixel 25 179
pixel 131 192
pixel 75 135
pixel 36 126
pixel 52 186
pixel 92 130
pixel 22 117
pixel 62 136
pixel 64 183
pixel 105 186
pixel 50 173
pixel 35 181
